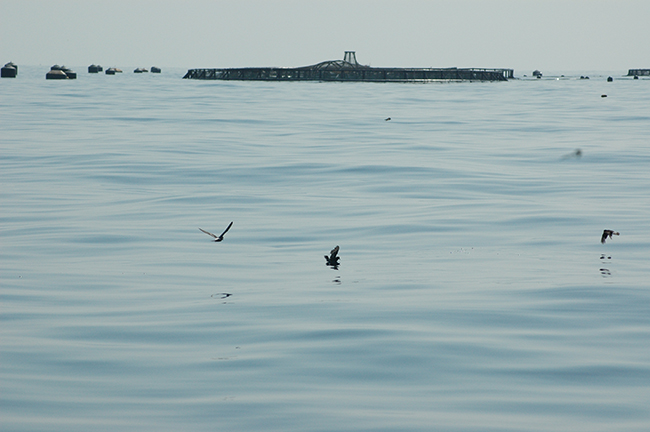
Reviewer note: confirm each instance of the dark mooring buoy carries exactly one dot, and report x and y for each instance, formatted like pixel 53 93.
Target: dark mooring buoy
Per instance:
pixel 60 72
pixel 56 74
pixel 10 70
pixel 93 68
pixel 69 72
pixel 155 69
pixel 610 79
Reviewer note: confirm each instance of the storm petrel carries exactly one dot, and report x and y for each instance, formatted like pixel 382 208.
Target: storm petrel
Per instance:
pixel 333 259
pixel 608 233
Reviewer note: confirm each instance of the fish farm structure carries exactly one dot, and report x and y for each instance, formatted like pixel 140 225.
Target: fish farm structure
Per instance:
pixel 638 72
pixel 349 70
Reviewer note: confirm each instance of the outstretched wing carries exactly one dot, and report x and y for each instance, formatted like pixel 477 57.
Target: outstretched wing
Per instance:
pixel 604 237
pixel 209 233
pixel 222 234
pixel 334 252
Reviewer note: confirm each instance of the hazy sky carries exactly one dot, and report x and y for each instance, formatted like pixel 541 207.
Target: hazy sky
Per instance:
pixel 568 35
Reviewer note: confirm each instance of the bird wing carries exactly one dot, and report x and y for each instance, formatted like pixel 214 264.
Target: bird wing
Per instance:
pixel 222 234
pixel 334 252
pixel 208 233
pixel 604 237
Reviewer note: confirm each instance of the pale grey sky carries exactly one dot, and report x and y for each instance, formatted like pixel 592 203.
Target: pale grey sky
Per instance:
pixel 569 35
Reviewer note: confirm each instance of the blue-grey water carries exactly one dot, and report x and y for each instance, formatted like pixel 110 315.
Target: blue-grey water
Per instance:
pixel 473 292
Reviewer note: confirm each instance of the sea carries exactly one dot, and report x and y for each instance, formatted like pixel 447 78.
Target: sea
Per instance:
pixel 471 291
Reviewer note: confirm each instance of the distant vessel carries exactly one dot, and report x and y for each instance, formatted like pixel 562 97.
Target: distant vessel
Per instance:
pixel 349 69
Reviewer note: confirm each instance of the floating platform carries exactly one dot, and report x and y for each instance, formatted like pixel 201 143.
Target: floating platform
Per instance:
pixel 638 72
pixel 349 70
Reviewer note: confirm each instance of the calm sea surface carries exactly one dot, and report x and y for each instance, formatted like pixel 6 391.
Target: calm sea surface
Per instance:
pixel 473 293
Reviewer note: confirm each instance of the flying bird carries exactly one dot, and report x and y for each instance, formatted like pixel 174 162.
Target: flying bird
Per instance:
pixel 217 238
pixel 388 119
pixel 608 233
pixel 332 259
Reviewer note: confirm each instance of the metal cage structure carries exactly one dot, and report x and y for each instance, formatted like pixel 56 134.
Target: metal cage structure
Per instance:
pixel 349 69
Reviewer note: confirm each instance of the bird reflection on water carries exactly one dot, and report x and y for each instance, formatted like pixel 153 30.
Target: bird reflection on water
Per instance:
pixel 605 272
